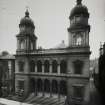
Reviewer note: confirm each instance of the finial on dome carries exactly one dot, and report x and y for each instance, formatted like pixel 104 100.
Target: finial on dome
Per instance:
pixel 27 12
pixel 79 2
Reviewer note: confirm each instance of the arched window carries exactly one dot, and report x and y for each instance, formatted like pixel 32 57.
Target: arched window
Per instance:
pixel 54 66
pixel 54 86
pixel 39 85
pixel 21 66
pixel 63 66
pixel 46 66
pixel 39 66
pixel 32 85
pixel 32 66
pixel 78 66
pixel 63 87
pixel 47 85
pixel 22 44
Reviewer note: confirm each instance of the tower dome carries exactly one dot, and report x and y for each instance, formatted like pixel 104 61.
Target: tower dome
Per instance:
pixel 79 9
pixel 27 21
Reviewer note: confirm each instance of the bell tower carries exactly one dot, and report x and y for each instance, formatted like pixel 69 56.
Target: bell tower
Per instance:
pixel 79 28
pixel 26 39
pixel 78 35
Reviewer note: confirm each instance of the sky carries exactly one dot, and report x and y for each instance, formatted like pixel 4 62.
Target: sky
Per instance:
pixel 51 19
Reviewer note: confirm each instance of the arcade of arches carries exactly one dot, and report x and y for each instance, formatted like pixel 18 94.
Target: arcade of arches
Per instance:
pixel 46 66
pixel 48 86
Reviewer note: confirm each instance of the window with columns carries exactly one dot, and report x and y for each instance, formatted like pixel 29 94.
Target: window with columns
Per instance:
pixel 63 66
pixel 39 66
pixel 47 86
pixel 54 66
pixel 32 66
pixel 46 66
pixel 21 66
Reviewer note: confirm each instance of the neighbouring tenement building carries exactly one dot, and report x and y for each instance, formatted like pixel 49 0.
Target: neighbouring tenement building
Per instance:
pixel 7 74
pixel 55 72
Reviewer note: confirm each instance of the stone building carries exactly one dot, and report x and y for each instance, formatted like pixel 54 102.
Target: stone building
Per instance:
pixel 7 74
pixel 55 72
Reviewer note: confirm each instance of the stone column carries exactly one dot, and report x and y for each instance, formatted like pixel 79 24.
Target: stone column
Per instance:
pixel 27 79
pixel 50 88
pixel 50 67
pixel 43 87
pixel 58 68
pixel 42 68
pixel 35 68
pixel 35 87
pixel 58 89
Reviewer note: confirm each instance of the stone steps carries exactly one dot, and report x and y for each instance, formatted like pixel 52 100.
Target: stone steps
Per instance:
pixel 45 100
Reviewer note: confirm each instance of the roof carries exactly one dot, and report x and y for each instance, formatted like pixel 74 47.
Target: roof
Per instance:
pixel 5 57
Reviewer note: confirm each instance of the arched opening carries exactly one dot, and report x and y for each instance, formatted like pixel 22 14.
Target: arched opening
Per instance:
pixel 63 87
pixel 46 66
pixel 78 66
pixel 39 85
pixel 39 66
pixel 54 86
pixel 46 86
pixel 32 66
pixel 54 66
pixel 63 66
pixel 22 44
pixel 21 66
pixel 32 85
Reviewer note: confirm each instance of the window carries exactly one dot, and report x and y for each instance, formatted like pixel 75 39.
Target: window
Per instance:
pixel 79 41
pixel 39 66
pixel 32 66
pixel 63 87
pixel 78 91
pixel 39 85
pixel 21 66
pixel 54 66
pixel 78 66
pixel 22 44
pixel 54 86
pixel 63 66
pixel 77 19
pixel 47 85
pixel 46 66
pixel 21 84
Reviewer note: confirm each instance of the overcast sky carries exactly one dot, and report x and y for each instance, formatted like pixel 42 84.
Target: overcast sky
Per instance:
pixel 51 18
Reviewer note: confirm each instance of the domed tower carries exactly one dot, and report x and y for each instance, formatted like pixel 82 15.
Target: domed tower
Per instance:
pixel 26 39
pixel 79 28
pixel 79 61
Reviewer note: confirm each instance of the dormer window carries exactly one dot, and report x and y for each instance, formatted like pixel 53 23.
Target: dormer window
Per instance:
pixel 77 19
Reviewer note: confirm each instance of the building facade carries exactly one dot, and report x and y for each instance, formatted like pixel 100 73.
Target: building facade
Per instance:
pixel 7 75
pixel 55 72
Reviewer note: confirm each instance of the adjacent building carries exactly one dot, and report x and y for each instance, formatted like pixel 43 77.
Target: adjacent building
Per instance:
pixel 7 74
